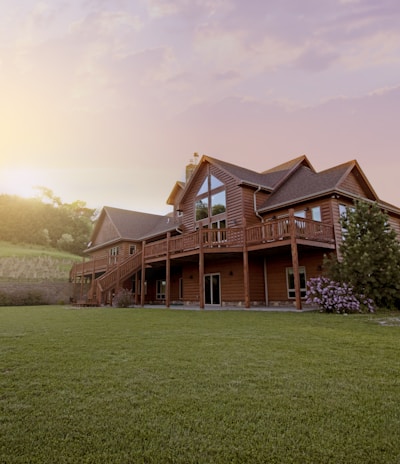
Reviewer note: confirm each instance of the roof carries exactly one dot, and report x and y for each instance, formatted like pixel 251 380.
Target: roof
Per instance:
pixel 267 180
pixel 135 225
pixel 175 192
pixel 305 183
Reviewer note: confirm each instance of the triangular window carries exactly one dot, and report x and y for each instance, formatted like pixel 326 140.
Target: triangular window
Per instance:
pixel 215 183
pixel 211 199
pixel 204 187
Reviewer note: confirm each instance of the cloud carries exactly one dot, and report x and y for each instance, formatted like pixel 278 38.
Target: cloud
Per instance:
pixel 227 75
pixel 316 59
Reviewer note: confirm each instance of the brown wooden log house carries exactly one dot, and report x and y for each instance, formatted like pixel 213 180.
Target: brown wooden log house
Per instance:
pixel 235 237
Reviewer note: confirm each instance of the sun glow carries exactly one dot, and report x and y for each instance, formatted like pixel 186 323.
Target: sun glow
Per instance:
pixel 21 181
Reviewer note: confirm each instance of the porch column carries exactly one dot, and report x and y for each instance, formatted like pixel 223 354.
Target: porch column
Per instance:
pixel 93 285
pixel 201 270
pixel 246 271
pixel 82 276
pixel 168 275
pixel 143 276
pixel 137 288
pixel 295 258
pixel 118 283
pixel 266 282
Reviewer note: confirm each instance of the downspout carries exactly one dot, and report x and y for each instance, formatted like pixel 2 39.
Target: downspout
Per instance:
pixel 255 203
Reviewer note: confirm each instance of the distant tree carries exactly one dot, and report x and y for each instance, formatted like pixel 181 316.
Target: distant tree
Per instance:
pixel 45 220
pixel 370 255
pixel 46 195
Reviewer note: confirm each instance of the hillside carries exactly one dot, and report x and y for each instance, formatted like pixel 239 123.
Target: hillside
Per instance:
pixel 34 263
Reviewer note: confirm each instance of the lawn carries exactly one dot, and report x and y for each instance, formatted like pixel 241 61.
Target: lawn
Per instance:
pixel 163 386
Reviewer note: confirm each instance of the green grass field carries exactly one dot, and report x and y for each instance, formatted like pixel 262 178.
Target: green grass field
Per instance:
pixel 162 386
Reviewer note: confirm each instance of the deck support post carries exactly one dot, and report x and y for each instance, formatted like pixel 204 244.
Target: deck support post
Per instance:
pixel 82 276
pixel 137 289
pixel 118 283
pixel 168 275
pixel 201 270
pixel 92 283
pixel 295 258
pixel 266 282
pixel 246 272
pixel 143 276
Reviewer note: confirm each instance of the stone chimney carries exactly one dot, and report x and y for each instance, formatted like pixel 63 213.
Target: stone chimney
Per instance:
pixel 191 166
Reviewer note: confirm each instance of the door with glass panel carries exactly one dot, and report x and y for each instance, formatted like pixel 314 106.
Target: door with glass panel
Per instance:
pixel 212 289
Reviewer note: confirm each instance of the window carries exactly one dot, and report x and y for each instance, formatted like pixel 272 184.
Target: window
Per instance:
pixel 218 203
pixel 160 289
pixel 201 209
pixel 132 249
pixel 219 235
pixel 113 256
pixel 343 209
pixel 211 199
pixel 290 282
pixel 300 214
pixel 316 213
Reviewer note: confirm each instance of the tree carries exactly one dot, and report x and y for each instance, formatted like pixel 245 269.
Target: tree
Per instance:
pixel 370 255
pixel 46 221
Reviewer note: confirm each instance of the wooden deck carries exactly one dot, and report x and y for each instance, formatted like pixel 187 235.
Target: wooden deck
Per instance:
pixel 261 236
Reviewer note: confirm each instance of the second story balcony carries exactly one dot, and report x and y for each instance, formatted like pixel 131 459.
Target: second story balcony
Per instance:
pixel 271 234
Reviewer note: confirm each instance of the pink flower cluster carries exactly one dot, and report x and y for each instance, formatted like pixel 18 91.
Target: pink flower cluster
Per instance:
pixel 335 297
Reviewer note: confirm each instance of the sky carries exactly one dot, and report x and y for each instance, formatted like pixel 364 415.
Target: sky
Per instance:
pixel 105 101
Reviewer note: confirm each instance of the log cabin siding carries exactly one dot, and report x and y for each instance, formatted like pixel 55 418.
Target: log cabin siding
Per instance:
pixel 248 206
pixel 106 232
pixel 231 275
pixel 190 275
pixel 187 204
pixel 354 183
pixel 394 223
pixel 257 280
pixel 311 260
pixel 276 276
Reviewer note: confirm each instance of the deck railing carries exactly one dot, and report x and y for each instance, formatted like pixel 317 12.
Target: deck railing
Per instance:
pixel 118 273
pixel 253 236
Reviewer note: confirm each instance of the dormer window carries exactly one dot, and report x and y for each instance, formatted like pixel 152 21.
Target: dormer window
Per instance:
pixel 211 198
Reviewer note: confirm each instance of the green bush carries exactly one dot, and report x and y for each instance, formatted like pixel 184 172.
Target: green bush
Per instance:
pixel 26 298
pixel 123 299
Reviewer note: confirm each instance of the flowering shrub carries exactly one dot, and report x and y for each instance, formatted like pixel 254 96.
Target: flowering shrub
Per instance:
pixel 334 297
pixel 123 299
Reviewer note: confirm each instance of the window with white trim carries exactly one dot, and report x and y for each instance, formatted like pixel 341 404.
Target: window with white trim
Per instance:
pixel 291 291
pixel 316 213
pixel 113 255
pixel 160 289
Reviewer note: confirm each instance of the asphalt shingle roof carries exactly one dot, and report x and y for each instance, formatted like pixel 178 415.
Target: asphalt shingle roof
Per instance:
pixel 267 179
pixel 135 225
pixel 306 183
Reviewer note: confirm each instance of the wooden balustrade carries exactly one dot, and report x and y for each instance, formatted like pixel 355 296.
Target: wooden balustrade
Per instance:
pixel 271 231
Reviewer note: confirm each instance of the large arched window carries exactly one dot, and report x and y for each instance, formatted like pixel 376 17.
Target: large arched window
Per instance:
pixel 211 198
